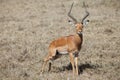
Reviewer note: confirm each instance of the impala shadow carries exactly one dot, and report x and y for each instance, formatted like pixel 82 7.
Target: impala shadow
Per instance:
pixel 81 67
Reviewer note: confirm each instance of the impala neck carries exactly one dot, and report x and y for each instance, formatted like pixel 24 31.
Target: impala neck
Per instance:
pixel 79 40
pixel 79 36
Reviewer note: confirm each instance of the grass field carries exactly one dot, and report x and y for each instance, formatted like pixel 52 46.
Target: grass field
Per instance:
pixel 28 26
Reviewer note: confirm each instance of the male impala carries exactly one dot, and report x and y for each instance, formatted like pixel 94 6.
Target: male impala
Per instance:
pixel 68 45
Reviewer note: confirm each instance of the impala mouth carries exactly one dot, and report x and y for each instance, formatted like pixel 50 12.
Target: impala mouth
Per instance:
pixel 80 32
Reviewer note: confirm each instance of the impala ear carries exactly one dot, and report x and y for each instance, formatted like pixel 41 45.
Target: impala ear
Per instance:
pixel 71 22
pixel 85 22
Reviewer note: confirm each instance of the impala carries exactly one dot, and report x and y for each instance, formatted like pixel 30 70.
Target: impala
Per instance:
pixel 68 45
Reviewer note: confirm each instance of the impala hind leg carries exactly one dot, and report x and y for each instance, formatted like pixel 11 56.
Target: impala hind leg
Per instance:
pixel 48 58
pixel 44 64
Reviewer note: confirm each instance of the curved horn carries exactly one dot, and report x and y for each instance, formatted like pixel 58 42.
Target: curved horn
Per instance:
pixel 71 15
pixel 87 13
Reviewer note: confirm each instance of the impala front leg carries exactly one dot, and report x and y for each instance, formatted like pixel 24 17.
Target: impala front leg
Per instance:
pixel 76 64
pixel 72 62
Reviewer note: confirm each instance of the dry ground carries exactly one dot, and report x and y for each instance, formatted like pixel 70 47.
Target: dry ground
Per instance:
pixel 28 26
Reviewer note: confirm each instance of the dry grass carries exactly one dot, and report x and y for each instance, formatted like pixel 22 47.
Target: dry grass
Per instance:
pixel 27 28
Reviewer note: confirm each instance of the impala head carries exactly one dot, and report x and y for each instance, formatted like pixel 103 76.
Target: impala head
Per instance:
pixel 79 25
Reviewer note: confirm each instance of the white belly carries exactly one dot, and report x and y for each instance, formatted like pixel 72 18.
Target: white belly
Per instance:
pixel 63 52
